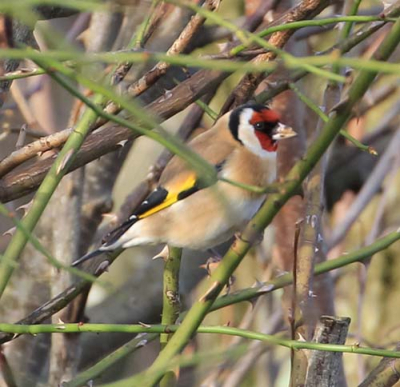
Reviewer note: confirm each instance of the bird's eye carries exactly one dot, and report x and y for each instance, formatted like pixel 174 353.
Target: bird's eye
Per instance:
pixel 260 125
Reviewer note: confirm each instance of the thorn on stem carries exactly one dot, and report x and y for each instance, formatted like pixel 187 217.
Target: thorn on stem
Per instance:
pixel 265 288
pixel 10 232
pixel 103 267
pixel 141 343
pixel 65 160
pixel 211 293
pixel 21 137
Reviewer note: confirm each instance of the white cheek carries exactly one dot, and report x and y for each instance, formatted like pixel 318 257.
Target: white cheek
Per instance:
pixel 247 136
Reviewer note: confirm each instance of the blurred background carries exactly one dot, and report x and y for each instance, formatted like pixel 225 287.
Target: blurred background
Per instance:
pixel 89 199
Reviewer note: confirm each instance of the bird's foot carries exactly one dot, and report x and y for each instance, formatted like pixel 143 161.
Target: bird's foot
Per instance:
pixel 164 254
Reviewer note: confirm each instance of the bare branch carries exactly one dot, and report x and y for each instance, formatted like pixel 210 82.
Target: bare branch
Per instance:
pixel 324 367
pixel 177 47
pixel 249 82
pixel 33 149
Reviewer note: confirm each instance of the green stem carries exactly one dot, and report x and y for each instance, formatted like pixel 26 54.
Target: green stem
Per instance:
pixel 223 330
pixel 9 6
pixel 39 247
pixel 207 63
pixel 243 295
pixel 348 26
pixel 171 303
pixel 345 32
pixel 21 74
pixel 139 37
pixel 312 23
pixel 248 37
pixel 325 118
pixel 211 113
pixel 44 193
pixel 321 268
pixel 344 46
pixel 310 103
pixel 96 370
pixel 264 288
pixel 171 300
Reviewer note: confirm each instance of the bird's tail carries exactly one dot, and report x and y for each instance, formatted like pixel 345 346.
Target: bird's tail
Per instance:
pixel 87 256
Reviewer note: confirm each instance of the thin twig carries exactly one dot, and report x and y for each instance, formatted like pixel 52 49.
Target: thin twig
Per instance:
pixel 23 105
pixel 144 328
pixel 386 374
pixel 344 46
pixel 18 185
pixel 22 73
pixel 98 369
pixel 33 149
pixel 57 303
pixel 369 189
pixel 178 46
pixel 324 117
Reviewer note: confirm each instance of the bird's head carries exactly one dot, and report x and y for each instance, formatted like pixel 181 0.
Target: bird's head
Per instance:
pixel 258 128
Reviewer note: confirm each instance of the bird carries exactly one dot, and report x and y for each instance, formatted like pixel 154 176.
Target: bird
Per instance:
pixel 242 147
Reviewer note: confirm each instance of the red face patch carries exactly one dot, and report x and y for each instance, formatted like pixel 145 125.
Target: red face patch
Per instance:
pixel 265 115
pixel 269 116
pixel 266 141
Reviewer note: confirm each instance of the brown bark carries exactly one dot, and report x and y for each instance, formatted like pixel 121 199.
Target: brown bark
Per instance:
pixel 325 367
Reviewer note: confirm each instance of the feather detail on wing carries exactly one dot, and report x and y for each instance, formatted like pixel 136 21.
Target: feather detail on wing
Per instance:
pixel 179 192
pixel 158 199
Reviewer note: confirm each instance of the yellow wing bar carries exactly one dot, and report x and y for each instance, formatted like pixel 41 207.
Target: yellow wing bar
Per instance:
pixel 183 190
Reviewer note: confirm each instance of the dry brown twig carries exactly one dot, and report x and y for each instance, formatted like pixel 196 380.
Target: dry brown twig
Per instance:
pixel 35 134
pixel 249 82
pixel 386 374
pixel 33 149
pixel 5 32
pixel 153 75
pixel 123 69
pixel 23 106
pixel 177 47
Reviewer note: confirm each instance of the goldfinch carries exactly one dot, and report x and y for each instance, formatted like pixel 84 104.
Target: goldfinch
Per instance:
pixel 241 146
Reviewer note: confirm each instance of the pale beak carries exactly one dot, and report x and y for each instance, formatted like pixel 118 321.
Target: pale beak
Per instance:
pixel 282 131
